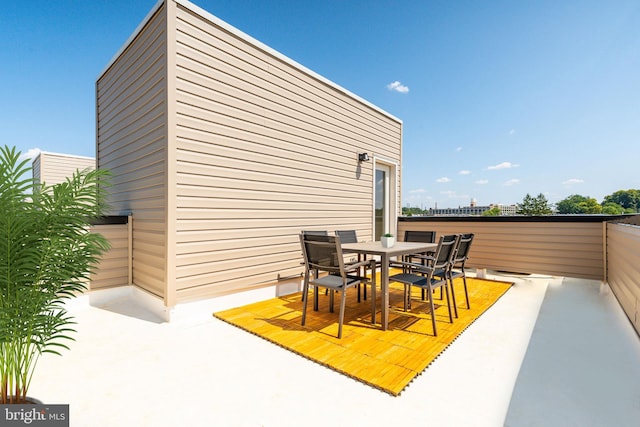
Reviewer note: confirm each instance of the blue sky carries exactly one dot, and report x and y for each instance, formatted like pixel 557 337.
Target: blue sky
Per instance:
pixel 498 98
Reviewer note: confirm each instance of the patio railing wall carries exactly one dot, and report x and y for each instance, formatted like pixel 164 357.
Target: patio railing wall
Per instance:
pixel 623 267
pixel 592 247
pixel 556 245
pixel 115 266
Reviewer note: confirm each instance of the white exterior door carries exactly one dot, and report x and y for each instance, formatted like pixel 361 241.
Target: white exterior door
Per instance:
pixel 383 208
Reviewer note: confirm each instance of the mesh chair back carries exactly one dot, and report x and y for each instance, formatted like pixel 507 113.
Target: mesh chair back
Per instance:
pixel 463 248
pixel 315 232
pixel 419 236
pixel 322 253
pixel 445 251
pixel 347 236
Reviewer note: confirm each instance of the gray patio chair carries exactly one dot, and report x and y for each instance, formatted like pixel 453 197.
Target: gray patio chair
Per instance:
pixel 315 233
pixel 350 236
pixel 324 253
pixel 419 236
pixel 456 267
pixel 426 276
pixel 347 236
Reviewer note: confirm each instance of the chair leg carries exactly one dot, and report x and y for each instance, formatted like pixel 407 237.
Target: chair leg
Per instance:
pixel 315 276
pixel 373 299
pixel 407 296
pixel 315 298
pixel 466 293
pixel 448 302
pixel 363 273
pixel 305 299
pixel 433 313
pixel 453 295
pixel 343 301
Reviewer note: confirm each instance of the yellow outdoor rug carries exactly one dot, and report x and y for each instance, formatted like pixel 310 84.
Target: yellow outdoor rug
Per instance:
pixel 387 360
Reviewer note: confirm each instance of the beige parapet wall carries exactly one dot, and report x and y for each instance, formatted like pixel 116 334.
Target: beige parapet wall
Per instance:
pixel 623 268
pixel 114 268
pixel 588 249
pixel 560 248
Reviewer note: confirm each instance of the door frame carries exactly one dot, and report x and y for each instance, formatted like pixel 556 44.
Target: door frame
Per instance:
pixel 391 187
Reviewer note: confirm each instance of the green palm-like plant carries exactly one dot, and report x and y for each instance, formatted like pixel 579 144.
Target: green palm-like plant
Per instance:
pixel 46 256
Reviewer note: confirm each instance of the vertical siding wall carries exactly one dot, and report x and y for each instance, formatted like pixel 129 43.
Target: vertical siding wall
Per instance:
pixel 54 168
pixel 264 150
pixel 131 143
pixel 571 248
pixel 623 268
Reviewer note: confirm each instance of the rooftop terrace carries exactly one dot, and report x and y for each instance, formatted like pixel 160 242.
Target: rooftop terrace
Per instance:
pixel 551 352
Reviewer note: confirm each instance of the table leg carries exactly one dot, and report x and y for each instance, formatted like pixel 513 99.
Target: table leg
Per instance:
pixel 384 288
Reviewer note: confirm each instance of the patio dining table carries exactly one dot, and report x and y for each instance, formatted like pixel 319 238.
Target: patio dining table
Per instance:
pixel 398 249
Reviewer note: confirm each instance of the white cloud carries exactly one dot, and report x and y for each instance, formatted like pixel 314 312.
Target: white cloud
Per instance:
pixel 503 165
pixel 417 190
pixel 482 181
pixel 464 172
pixel 31 154
pixel 573 181
pixel 398 87
pixel 459 149
pixel 443 179
pixel 511 182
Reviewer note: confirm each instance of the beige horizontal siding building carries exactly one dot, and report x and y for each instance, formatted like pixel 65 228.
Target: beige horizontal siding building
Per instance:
pixel 223 150
pixel 113 270
pixel 54 168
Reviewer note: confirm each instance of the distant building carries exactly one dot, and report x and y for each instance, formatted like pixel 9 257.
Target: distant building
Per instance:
pixel 459 211
pixel 508 210
pixel 54 168
pixel 472 210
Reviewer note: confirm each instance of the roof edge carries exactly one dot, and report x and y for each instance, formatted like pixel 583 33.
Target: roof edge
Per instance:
pixel 74 156
pixel 133 35
pixel 233 30
pixel 519 218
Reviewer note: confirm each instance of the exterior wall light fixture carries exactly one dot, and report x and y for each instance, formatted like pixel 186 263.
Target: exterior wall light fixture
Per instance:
pixel 363 157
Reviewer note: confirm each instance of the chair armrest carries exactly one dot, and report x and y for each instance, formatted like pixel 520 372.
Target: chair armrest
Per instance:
pixel 421 256
pixel 355 265
pixel 405 263
pixel 412 266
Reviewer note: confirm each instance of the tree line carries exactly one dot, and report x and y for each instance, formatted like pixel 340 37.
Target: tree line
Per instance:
pixel 620 202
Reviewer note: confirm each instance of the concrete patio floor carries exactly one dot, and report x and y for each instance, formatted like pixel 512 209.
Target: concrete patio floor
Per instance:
pixel 523 363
